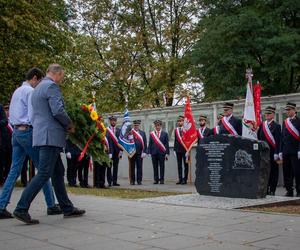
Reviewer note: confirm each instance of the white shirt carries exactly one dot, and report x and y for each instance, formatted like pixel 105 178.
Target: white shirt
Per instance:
pixel 20 108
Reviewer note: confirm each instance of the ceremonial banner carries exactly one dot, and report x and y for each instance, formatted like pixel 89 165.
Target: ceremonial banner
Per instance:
pixel 189 132
pixel 257 108
pixel 249 120
pixel 126 140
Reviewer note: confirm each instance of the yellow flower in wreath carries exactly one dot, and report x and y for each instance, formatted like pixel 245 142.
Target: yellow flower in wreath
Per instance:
pixel 94 115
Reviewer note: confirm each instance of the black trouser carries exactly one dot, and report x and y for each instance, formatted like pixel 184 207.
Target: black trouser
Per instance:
pixel 136 162
pixel 72 170
pixel 113 178
pixel 99 174
pixel 24 177
pixel 291 169
pixel 158 161
pixel 273 177
pixel 5 162
pixel 181 157
pixel 83 171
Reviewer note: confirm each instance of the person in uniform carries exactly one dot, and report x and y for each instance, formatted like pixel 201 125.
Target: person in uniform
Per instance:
pixel 270 132
pixel 180 152
pixel 203 131
pixel 115 153
pixel 72 154
pixel 230 124
pixel 158 148
pixel 136 162
pixel 290 150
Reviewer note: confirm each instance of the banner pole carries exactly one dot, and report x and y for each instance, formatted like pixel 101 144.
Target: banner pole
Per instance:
pixel 190 167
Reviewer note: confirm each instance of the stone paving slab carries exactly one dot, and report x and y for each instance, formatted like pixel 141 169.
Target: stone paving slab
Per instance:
pixel 196 200
pixel 116 224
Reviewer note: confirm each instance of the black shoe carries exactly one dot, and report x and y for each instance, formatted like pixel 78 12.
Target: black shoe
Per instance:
pixel 272 193
pixel 139 183
pixel 162 182
pixel 132 183
pixel 73 185
pixel 116 184
pixel 156 182
pixel 101 186
pixel 25 217
pixel 298 195
pixel 178 183
pixel 4 214
pixel 75 213
pixel 54 210
pixel 183 182
pixel 289 194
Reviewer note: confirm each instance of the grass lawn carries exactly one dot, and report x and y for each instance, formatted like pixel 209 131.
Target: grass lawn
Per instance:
pixel 120 192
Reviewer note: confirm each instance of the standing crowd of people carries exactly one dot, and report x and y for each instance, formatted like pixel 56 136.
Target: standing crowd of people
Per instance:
pixel 35 125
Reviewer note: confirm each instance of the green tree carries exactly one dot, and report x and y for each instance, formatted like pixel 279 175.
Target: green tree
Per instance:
pixel 32 33
pixel 237 34
pixel 137 48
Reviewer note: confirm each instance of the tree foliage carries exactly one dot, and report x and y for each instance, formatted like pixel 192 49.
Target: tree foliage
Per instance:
pixel 32 33
pixel 234 35
pixel 137 48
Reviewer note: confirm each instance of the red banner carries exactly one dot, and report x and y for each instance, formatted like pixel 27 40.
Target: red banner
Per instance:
pixel 257 109
pixel 189 133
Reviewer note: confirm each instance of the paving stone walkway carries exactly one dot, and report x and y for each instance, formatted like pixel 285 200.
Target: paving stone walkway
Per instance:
pixel 114 224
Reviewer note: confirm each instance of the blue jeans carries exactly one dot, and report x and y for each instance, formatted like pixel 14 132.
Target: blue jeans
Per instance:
pixel 50 165
pixel 22 146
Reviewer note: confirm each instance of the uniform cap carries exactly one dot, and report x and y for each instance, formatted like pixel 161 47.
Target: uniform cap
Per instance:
pixel 228 105
pixel 158 122
pixel 290 105
pixel 270 110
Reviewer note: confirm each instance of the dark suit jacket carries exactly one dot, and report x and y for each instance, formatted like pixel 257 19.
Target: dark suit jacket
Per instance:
pixel 235 122
pixel 207 132
pixel 138 145
pixel 289 145
pixel 153 149
pixel 178 148
pixel 275 129
pixel 113 148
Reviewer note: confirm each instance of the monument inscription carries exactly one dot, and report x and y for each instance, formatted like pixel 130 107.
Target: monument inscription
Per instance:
pixel 232 167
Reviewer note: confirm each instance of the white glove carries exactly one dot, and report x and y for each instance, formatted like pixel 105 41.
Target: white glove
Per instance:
pixel 187 155
pixel 174 153
pixel 130 137
pixel 143 155
pixel 68 155
pixel 276 157
pixel 280 156
pixel 110 156
pixel 298 155
pixel 120 154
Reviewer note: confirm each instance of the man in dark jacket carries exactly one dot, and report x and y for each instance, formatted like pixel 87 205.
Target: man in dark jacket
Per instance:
pixel 203 131
pixel 180 152
pixel 290 150
pixel 230 124
pixel 136 161
pixel 270 132
pixel 159 150
pixel 115 152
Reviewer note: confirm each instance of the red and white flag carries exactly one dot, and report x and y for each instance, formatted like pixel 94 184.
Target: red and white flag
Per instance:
pixel 249 119
pixel 189 132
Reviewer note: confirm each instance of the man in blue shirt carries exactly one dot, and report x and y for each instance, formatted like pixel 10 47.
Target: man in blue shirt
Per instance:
pixel 20 113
